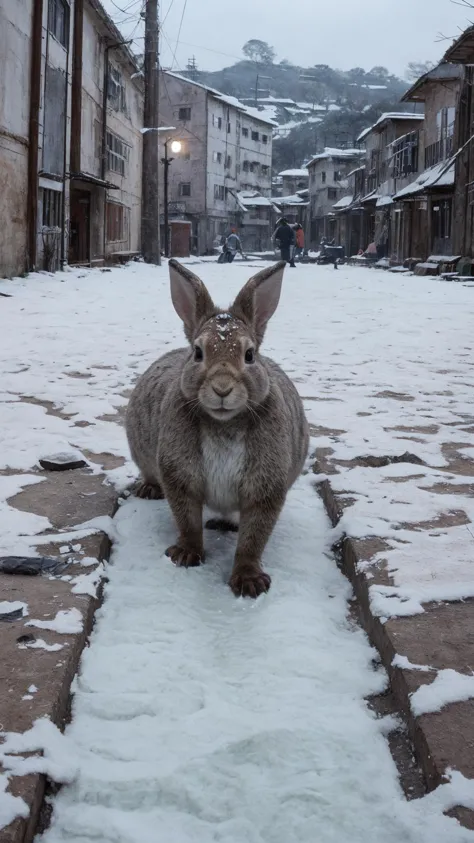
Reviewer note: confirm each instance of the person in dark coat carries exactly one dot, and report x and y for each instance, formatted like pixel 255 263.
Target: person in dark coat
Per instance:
pixel 284 237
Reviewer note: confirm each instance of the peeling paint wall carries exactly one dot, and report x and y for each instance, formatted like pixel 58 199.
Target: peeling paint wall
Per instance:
pixel 15 35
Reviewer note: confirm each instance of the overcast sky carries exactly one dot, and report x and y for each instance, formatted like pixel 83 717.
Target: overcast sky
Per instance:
pixel 341 33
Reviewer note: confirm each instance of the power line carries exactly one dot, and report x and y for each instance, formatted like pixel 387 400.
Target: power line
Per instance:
pixel 179 33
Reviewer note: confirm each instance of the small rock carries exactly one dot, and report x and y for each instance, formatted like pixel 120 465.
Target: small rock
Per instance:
pixel 31 566
pixel 62 462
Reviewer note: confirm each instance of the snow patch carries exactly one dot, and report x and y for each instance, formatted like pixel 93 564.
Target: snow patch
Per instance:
pixel 449 686
pixel 66 622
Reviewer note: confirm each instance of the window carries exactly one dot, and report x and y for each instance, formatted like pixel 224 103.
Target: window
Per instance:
pixel 216 122
pixel 245 133
pixel 228 162
pixel 117 154
pixel 338 175
pixel 184 114
pixel 332 193
pixel 52 208
pixel 251 166
pixel 217 157
pixel 264 138
pixel 187 156
pixel 265 169
pixel 229 128
pixel 116 90
pixel 58 20
pixel 219 192
pixel 117 222
pixel 323 177
pixel 246 166
pixel 185 188
pixel 255 136
pixel 442 220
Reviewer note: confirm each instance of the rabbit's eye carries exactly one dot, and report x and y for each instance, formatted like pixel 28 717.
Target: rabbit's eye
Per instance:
pixel 250 356
pixel 198 355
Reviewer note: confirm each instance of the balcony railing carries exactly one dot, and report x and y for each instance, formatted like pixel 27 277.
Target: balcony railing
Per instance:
pixel 437 152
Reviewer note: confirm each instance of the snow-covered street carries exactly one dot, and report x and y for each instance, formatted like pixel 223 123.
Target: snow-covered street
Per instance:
pixel 198 717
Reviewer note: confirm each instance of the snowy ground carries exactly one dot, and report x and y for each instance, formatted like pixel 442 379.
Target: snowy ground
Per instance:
pixel 198 717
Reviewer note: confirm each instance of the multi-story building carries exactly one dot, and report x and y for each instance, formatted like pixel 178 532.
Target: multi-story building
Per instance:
pixel 328 184
pixel 226 149
pixel 106 141
pixel 293 180
pixel 384 176
pixel 35 101
pixel 70 152
pixel 424 206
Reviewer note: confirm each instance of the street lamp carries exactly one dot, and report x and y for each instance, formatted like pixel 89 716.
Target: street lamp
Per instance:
pixel 176 146
pixel 150 203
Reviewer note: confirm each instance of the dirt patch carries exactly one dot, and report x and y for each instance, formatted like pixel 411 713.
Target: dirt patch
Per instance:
pixel 449 489
pixel 320 430
pixel 453 518
pixel 458 463
pixel 322 464
pixel 372 461
pixel 51 410
pixel 396 396
pixel 106 460
pixel 427 428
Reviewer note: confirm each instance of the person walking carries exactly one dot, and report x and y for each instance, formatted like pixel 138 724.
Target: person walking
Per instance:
pixel 284 238
pixel 232 245
pixel 299 237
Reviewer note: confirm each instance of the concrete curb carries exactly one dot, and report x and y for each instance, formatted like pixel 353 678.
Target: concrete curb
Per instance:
pixel 444 634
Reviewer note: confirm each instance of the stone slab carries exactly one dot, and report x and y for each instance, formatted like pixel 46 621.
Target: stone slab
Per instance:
pixel 67 499
pixel 442 637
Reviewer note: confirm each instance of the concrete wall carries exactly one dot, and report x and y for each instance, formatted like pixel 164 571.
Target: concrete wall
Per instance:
pixel 439 96
pixel 15 35
pixel 124 121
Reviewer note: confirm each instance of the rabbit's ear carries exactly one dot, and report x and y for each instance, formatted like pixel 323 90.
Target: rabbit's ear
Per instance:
pixel 257 301
pixel 190 298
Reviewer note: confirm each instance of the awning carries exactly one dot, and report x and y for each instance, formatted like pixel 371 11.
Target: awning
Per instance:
pixel 370 197
pixel 383 201
pixel 343 203
pixel 436 177
pixel 86 177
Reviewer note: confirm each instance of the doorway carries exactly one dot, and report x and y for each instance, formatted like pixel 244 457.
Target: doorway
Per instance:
pixel 79 238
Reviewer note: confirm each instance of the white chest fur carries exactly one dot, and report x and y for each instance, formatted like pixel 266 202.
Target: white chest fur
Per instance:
pixel 223 465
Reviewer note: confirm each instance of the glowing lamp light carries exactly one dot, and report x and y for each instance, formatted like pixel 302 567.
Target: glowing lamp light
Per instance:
pixel 176 146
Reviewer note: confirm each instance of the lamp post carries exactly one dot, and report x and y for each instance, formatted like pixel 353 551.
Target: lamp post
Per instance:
pixel 166 161
pixel 150 202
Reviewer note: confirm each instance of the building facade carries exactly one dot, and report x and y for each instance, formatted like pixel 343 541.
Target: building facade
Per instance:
pixel 71 110
pixel 106 141
pixel 425 205
pixel 328 183
pixel 226 153
pixel 36 50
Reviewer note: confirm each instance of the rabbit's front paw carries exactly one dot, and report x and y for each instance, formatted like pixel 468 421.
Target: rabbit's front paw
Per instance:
pixel 185 557
pixel 250 582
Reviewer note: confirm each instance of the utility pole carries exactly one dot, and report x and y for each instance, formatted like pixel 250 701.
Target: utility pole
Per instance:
pixel 150 196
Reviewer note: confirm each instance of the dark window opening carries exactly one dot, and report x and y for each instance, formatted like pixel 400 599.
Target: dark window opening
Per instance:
pixel 52 208
pixel 184 114
pixel 58 20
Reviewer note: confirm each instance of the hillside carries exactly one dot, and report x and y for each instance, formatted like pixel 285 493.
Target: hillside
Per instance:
pixel 314 107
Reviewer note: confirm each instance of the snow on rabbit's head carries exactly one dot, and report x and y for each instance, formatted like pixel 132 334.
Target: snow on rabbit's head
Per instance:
pixel 224 374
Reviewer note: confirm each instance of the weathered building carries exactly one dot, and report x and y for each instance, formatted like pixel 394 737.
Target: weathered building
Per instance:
pixel 226 150
pixel 384 175
pixel 424 205
pixel 293 180
pixel 106 141
pixel 70 119
pixel 328 183
pixel 36 46
pixel 462 53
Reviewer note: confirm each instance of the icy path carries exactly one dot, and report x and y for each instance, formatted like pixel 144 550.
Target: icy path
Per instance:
pixel 200 718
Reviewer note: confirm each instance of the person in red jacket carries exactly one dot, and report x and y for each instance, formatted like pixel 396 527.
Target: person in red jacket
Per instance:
pixel 299 235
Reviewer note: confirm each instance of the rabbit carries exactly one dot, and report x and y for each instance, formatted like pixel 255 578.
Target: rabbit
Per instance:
pixel 217 424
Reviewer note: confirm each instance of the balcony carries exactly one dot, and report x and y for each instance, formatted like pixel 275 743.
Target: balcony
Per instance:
pixel 405 156
pixel 440 151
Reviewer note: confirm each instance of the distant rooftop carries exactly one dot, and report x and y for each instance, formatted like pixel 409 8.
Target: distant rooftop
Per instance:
pixel 336 153
pixel 443 72
pixel 386 118
pixel 302 174
pixel 232 101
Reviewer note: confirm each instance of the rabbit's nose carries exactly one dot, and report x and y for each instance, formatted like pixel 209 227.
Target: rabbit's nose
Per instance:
pixel 222 392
